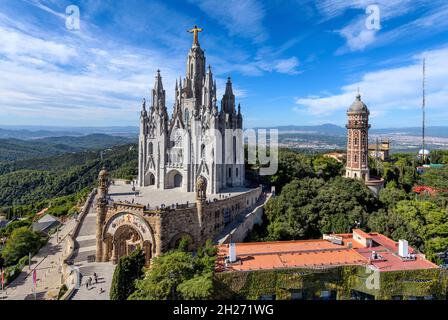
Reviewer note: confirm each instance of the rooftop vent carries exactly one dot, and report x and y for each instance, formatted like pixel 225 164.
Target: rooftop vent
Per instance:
pixel 232 252
pixel 403 248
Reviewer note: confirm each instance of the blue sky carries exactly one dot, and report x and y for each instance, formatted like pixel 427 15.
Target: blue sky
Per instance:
pixel 292 62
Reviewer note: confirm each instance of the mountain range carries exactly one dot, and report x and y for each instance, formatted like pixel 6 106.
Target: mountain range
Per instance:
pixel 39 132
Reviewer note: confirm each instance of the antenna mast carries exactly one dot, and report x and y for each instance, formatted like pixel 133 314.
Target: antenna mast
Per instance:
pixel 423 111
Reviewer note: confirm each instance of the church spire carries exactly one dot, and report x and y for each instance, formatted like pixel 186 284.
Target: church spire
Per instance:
pixel 228 99
pixel 208 90
pixel 158 94
pixel 195 74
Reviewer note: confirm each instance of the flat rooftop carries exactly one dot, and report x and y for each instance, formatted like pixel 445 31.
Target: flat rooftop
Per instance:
pixel 152 197
pixel 321 253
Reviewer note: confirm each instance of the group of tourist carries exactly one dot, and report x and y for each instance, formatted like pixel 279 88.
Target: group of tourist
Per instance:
pixel 89 282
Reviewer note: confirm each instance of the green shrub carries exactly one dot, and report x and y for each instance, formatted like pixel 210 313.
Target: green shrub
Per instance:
pixel 128 270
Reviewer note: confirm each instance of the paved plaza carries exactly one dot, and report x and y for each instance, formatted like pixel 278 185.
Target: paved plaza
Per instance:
pixel 151 197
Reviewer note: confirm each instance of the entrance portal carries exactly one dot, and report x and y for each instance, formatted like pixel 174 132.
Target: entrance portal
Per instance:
pixel 124 233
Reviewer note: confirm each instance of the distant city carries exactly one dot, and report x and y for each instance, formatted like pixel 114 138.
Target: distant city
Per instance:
pixel 319 138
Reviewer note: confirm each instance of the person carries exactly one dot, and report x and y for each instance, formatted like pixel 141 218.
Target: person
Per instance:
pixel 101 290
pixel 87 285
pixel 96 277
pixel 90 281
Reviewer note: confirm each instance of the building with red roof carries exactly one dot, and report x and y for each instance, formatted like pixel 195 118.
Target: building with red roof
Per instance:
pixel 357 258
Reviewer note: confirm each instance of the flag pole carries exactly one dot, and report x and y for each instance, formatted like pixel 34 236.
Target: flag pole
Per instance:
pixel 3 287
pixel 34 283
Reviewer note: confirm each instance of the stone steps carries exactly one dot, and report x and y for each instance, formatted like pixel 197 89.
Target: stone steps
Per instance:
pixel 105 271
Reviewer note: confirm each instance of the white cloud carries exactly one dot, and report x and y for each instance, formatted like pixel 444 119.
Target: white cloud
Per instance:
pixel 16 44
pixel 386 91
pixel 433 18
pixel 242 18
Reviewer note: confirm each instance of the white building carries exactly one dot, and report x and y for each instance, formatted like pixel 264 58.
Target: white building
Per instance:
pixel 198 139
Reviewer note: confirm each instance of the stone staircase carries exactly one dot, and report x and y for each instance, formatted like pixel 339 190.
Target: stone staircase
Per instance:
pixel 105 271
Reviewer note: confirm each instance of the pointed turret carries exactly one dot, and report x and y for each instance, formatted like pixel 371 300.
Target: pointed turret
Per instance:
pixel 208 90
pixel 158 103
pixel 228 99
pixel 158 95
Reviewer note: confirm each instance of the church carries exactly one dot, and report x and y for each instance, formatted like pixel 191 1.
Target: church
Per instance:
pixel 191 181
pixel 198 140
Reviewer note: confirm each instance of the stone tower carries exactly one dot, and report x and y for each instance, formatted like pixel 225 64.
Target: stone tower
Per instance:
pixel 101 211
pixel 357 166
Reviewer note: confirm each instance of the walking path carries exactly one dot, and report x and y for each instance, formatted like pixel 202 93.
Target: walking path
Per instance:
pixel 84 260
pixel 47 263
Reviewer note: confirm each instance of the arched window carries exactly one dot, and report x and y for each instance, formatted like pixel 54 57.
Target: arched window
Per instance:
pixel 203 151
pixel 234 149
pixel 236 172
pixel 187 116
pixel 356 141
pixel 230 172
pixel 355 158
pixel 150 148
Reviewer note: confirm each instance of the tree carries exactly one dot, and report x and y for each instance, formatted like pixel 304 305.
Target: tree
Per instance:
pixel 390 196
pixel 291 165
pixel 21 242
pixel 128 270
pixel 422 223
pixel 166 273
pixel 309 207
pixel 326 167
pixel 179 275
pixel 197 288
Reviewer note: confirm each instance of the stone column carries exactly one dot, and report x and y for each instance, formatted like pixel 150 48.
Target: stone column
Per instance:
pixel 101 211
pixel 114 258
pixel 106 249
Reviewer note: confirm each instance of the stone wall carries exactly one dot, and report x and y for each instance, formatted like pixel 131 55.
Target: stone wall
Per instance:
pixel 198 221
pixel 216 215
pixel 239 233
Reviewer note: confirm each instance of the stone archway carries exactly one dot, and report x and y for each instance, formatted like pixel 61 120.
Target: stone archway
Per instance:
pixel 174 242
pixel 175 179
pixel 125 232
pixel 126 239
pixel 150 179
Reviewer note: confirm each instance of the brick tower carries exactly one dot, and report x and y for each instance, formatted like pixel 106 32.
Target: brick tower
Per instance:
pixel 357 166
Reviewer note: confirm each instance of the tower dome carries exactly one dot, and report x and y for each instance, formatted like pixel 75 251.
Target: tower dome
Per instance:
pixel 358 106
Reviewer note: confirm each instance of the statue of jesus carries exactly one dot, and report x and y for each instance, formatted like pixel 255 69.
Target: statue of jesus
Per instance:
pixel 195 31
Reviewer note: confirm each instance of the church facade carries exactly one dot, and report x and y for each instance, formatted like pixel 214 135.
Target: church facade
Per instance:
pixel 198 140
pixel 190 173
